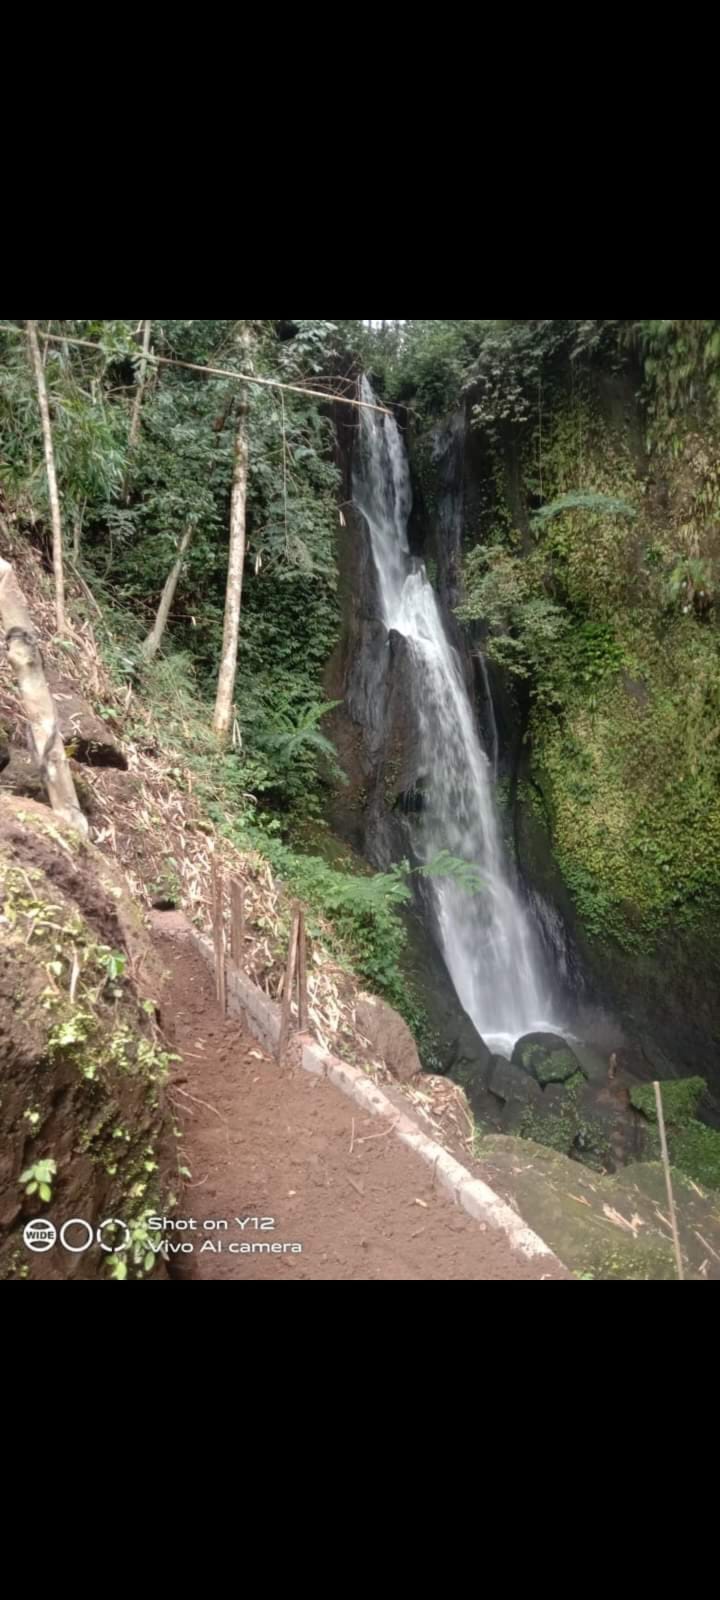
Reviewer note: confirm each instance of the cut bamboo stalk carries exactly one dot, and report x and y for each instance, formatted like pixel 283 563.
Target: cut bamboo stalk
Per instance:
pixel 302 975
pixel 668 1179
pixel 218 934
pixel 237 922
pixel 289 984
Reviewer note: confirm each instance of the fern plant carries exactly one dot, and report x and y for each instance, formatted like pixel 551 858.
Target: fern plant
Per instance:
pixel 299 757
pixel 290 735
pixel 583 500
pixel 445 865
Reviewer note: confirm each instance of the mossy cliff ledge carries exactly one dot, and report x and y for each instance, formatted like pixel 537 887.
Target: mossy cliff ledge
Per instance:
pixel 85 1131
pixel 620 780
pixel 591 570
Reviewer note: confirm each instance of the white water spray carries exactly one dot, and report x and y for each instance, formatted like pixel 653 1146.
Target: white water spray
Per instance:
pixel 489 946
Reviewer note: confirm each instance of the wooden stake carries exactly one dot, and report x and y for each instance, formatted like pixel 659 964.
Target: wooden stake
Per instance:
pixel 218 934
pixel 302 975
pixel 668 1179
pixel 237 922
pixel 289 984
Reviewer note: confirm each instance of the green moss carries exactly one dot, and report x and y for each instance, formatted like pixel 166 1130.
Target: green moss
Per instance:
pixel 645 1262
pixel 680 1099
pixel 549 1066
pixel 555 1130
pixel 566 1130
pixel 631 790
pixel 693 1147
pixel 628 760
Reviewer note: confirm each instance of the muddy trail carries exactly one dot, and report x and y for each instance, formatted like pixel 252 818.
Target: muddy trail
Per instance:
pixel 339 1197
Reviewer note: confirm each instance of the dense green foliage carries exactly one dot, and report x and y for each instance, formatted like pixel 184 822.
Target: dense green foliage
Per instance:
pixel 693 1147
pixel 592 572
pixel 592 575
pixel 125 511
pixel 128 512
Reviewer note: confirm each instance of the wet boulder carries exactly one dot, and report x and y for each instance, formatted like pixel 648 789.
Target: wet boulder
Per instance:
pixel 468 1056
pixel 511 1084
pixel 547 1057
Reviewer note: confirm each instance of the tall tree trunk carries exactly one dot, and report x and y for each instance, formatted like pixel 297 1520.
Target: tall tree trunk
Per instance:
pixel 24 653
pixel 152 644
pixel 222 720
pixel 51 477
pixel 135 420
pixel 134 433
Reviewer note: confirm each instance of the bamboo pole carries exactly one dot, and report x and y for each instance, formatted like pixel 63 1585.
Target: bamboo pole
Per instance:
pixel 218 933
pixel 302 975
pixel 668 1180
pixel 24 653
pixel 237 922
pixel 286 1012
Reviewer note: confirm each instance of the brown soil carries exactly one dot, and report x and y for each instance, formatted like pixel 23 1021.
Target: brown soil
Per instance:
pixel 61 901
pixel 280 1144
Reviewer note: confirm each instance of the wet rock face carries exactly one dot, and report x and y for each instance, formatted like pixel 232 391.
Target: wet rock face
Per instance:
pixel 543 1094
pixel 468 1056
pixel 373 728
pixel 512 1084
pixel 663 1001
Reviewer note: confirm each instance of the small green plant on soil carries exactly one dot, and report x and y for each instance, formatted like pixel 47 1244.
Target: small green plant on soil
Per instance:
pixel 38 1179
pixel 140 1251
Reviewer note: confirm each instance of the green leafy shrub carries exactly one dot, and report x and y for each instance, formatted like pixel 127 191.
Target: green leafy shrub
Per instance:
pixel 525 628
pixel 38 1179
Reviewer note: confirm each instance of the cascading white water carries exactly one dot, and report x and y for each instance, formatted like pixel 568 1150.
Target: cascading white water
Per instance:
pixel 489 946
pixel 490 712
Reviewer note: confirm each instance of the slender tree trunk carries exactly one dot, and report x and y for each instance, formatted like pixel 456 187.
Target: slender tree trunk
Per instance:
pixel 51 477
pixel 24 653
pixel 135 420
pixel 152 644
pixel 222 720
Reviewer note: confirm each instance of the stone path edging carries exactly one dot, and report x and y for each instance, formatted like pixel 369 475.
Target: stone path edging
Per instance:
pixel 475 1197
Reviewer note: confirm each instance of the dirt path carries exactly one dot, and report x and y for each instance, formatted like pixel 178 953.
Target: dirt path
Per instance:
pixel 283 1145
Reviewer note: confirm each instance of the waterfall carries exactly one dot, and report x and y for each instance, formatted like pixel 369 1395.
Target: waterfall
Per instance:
pixel 488 942
pixel 490 712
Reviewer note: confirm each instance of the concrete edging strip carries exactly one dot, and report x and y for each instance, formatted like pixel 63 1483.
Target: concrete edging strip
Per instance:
pixel 475 1197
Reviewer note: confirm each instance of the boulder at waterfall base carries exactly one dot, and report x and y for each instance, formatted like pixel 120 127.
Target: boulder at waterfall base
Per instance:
pixel 547 1057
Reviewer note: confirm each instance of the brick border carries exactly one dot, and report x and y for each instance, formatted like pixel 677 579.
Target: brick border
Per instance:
pixel 262 1016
